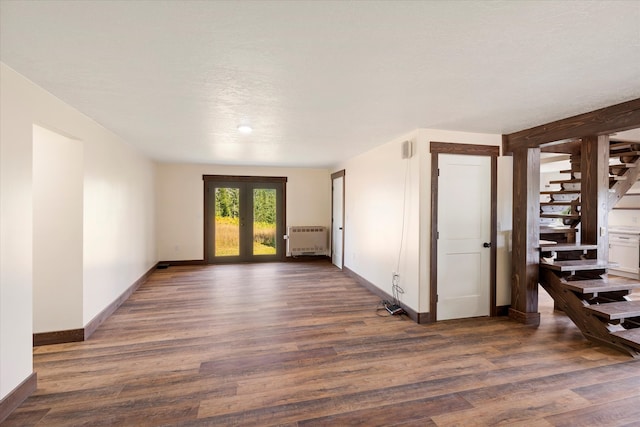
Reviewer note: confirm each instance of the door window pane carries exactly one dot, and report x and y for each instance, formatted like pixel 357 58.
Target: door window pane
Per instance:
pixel 264 221
pixel 227 222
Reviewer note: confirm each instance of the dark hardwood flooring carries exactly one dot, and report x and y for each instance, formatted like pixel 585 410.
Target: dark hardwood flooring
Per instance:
pixel 297 344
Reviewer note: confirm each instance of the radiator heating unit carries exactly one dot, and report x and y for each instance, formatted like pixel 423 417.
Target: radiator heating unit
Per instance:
pixel 307 240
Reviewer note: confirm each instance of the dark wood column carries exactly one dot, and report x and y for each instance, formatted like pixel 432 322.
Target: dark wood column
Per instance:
pixel 526 236
pixel 594 168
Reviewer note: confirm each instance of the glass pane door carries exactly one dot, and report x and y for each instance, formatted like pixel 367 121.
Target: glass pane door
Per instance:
pixel 227 221
pixel 243 219
pixel 264 221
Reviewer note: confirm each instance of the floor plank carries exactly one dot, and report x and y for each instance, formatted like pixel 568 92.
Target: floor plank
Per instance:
pixel 301 343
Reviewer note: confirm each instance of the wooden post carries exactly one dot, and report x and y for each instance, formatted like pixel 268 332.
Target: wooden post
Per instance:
pixel 526 236
pixel 595 193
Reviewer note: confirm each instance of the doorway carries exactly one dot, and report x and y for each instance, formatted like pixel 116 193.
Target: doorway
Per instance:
pixel 463 230
pixel 58 179
pixel 337 219
pixel 244 218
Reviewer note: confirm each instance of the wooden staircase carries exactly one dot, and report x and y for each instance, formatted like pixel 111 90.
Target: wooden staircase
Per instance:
pixel 560 215
pixel 565 204
pixel 571 272
pixel 596 303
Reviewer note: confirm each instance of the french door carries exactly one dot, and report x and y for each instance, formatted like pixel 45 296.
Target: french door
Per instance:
pixel 244 218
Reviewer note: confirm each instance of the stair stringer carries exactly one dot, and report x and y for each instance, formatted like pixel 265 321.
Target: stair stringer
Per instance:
pixel 592 327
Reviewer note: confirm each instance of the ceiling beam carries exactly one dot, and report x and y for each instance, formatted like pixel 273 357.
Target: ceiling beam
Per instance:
pixel 571 146
pixel 616 118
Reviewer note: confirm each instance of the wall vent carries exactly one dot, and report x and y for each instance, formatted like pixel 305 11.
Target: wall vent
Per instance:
pixel 307 240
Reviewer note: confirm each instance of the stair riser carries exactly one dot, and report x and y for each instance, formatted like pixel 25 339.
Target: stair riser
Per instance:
pixel 568 255
pixel 571 186
pixel 631 323
pixel 554 209
pixel 628 159
pixel 548 221
pixel 564 197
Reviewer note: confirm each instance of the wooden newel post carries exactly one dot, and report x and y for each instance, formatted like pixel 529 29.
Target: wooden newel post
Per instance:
pixel 526 236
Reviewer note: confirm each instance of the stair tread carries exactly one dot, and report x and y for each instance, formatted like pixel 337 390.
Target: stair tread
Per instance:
pixel 575 265
pixel 620 146
pixel 617 140
pixel 630 335
pixel 561 192
pixel 616 310
pixel 622 166
pixel 561 203
pixel 625 153
pixel 606 284
pixel 561 229
pixel 558 215
pixel 566 181
pixel 567 247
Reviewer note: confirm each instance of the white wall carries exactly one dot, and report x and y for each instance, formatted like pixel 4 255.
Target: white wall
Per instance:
pixel 627 217
pixel 57 231
pixel 374 196
pixel 119 220
pixel 374 209
pixel 118 215
pixel 624 218
pixel 16 231
pixel 180 203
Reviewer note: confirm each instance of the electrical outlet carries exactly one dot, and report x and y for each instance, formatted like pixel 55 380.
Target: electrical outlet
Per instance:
pixel 634 219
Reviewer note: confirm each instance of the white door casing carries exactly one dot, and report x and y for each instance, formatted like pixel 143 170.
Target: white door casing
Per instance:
pixel 464 226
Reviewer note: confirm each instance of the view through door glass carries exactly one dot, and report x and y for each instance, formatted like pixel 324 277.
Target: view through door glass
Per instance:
pixel 244 220
pixel 264 221
pixel 227 221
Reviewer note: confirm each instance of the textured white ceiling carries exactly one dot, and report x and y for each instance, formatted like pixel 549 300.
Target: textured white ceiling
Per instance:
pixel 320 81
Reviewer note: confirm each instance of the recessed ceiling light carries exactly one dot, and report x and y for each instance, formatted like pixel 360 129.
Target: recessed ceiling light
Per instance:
pixel 246 129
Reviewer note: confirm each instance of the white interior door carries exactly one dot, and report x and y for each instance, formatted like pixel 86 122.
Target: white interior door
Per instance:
pixel 464 226
pixel 337 223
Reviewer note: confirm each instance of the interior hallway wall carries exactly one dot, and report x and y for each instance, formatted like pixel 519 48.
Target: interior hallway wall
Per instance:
pixel 382 217
pixel 118 242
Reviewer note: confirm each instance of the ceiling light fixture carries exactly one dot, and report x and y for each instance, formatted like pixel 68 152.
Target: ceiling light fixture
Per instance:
pixel 246 129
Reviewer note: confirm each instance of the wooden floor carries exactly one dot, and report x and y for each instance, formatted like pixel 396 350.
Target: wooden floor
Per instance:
pixel 298 344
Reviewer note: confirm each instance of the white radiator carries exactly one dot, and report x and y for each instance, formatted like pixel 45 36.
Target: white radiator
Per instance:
pixel 307 240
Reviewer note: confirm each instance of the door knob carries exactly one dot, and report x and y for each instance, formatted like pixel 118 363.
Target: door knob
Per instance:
pixel 486 245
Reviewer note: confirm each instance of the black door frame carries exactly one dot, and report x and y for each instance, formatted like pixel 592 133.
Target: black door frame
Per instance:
pixel 254 182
